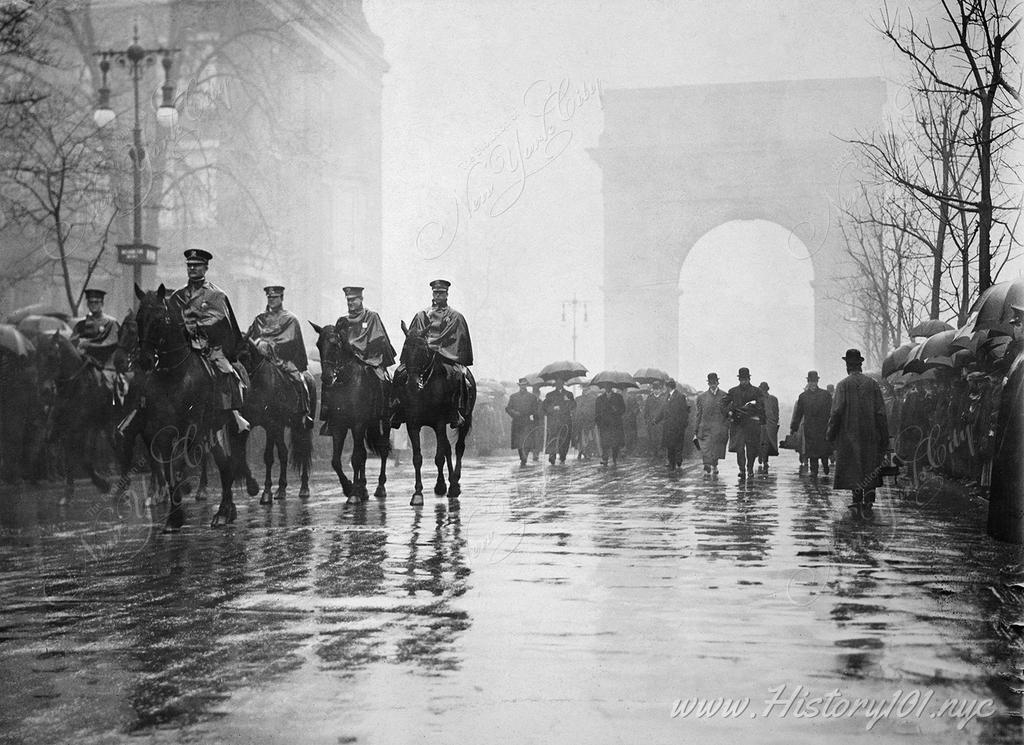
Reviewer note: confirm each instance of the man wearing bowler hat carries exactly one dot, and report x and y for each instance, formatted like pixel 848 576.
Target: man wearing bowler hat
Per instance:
pixel 711 430
pixel 212 328
pixel 96 338
pixel 744 407
pixel 859 431
pixel 447 333
pixel 369 342
pixel 812 410
pixel 277 335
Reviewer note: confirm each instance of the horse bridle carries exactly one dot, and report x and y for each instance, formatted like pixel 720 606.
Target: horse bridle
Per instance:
pixel 156 354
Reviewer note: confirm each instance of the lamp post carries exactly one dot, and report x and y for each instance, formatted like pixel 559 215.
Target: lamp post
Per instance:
pixel 136 58
pixel 574 304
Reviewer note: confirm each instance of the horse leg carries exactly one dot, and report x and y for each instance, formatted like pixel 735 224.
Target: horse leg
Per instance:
pixel 268 465
pixel 417 463
pixel 93 450
pixel 382 478
pixel 70 463
pixel 282 454
pixel 359 463
pixel 441 455
pixel 455 488
pixel 252 486
pixel 204 481
pixel 226 512
pixel 338 434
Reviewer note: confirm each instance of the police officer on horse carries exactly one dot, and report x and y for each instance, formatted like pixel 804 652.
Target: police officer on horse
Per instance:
pixel 446 333
pixel 96 337
pixel 277 335
pixel 369 341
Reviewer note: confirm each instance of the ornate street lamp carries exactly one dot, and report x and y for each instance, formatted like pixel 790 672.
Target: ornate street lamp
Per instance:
pixel 136 58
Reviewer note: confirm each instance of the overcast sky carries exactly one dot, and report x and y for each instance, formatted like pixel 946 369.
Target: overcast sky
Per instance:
pixel 461 75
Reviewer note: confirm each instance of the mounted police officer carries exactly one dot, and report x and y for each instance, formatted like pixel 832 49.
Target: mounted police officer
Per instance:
pixel 277 335
pixel 369 341
pixel 96 337
pixel 446 333
pixel 212 328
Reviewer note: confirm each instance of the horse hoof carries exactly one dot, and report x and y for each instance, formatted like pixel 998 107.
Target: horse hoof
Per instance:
pixel 381 492
pixel 440 490
pixel 232 514
pixel 265 498
pixel 417 500
pixel 346 489
pixel 352 499
pixel 304 492
pixel 281 493
pixel 252 487
pixel 454 491
pixel 174 521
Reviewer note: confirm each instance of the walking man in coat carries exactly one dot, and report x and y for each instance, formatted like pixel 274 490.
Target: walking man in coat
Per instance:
pixel 812 410
pixel 609 409
pixel 652 407
pixel 558 407
pixel 711 430
pixel 859 431
pixel 769 429
pixel 674 416
pixel 744 406
pixel 277 335
pixel 523 407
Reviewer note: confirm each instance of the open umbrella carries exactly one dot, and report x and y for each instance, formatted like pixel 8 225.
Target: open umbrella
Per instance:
pixel 931 327
pixel 650 374
pixel 893 361
pixel 14 341
pixel 36 309
pixel 536 380
pixel 614 378
pixel 39 325
pixel 578 380
pixel 563 369
pixel 993 307
pixel 914 364
pixel 937 345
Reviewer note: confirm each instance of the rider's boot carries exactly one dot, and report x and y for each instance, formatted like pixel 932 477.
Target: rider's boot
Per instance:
pixel 307 420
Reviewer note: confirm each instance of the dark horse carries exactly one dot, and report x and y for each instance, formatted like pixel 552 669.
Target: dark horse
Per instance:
pixel 352 401
pixel 427 399
pixel 273 403
pixel 183 416
pixel 84 412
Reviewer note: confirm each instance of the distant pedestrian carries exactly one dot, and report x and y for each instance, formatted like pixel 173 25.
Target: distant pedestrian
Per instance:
pixel 811 412
pixel 609 409
pixel 744 405
pixel 537 441
pixel 769 429
pixel 673 418
pixel 859 431
pixel 558 407
pixel 712 427
pixel 523 407
pixel 652 407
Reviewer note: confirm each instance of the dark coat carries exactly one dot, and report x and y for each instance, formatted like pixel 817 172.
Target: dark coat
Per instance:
pixel 524 408
pixel 608 412
pixel 744 406
pixel 558 408
pixel 1007 493
pixel 770 427
pixel 674 416
pixel 859 430
pixel 712 427
pixel 812 410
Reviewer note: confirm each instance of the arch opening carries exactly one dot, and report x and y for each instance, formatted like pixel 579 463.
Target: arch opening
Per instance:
pixel 746 300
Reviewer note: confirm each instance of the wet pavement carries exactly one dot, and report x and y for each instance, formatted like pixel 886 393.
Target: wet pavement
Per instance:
pixel 574 604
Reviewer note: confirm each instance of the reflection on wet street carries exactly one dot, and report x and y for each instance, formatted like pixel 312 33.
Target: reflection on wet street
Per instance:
pixel 573 604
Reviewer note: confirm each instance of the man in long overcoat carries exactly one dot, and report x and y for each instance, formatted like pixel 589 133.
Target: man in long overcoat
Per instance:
pixel 609 409
pixel 277 335
pixel 523 407
pixel 744 406
pixel 673 417
pixel 558 407
pixel 859 431
pixel 769 429
pixel 712 427
pixel 812 410
pixel 652 407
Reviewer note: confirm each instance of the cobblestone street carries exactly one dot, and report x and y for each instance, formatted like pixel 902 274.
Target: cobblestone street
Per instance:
pixel 573 603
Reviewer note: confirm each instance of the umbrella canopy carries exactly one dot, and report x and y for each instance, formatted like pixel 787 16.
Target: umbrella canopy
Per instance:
pixel 937 345
pixel 578 380
pixel 963 357
pixel 650 374
pixel 931 327
pixel 38 325
pixel 614 378
pixel 895 359
pixel 563 369
pixel 36 309
pixel 993 307
pixel 536 380
pixel 14 341
pixel 914 363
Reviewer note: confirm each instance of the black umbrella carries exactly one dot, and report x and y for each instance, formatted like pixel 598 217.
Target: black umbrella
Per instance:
pixel 895 359
pixel 614 378
pixel 650 374
pixel 993 308
pixel 931 327
pixel 563 369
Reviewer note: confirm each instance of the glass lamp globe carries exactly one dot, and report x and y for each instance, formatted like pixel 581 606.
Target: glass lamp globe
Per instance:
pixel 103 116
pixel 167 116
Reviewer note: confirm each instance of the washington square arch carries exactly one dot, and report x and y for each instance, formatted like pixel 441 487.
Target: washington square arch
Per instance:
pixel 679 162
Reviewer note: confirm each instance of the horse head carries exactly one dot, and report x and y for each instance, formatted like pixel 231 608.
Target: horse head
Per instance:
pixel 335 352
pixel 159 328
pixel 417 356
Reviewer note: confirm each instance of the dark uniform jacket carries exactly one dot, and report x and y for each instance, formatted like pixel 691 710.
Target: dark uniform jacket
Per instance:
pixel 447 333
pixel 283 332
pixel 97 337
pixel 207 314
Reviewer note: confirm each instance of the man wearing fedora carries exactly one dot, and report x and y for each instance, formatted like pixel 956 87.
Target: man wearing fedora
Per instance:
pixel 524 408
pixel 711 431
pixel 859 430
pixel 277 335
pixel 212 328
pixel 447 333
pixel 96 337
pixel 744 407
pixel 812 409
pixel 369 341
